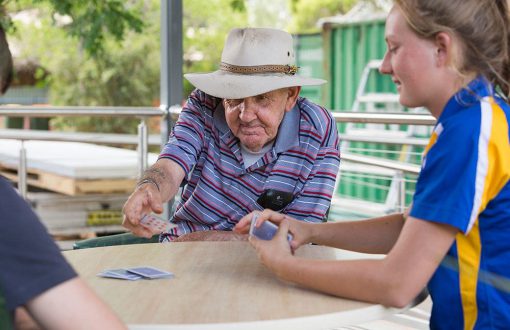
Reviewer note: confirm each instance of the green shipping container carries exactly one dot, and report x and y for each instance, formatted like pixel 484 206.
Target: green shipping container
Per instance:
pixel 348 49
pixel 310 58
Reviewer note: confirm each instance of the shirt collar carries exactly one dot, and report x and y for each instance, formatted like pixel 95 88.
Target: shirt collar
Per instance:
pixel 288 132
pixel 219 119
pixel 477 89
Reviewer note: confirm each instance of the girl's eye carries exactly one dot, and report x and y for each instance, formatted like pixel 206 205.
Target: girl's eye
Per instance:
pixel 392 49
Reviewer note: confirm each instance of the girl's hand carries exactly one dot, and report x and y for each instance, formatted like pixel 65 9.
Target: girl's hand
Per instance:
pixel 273 253
pixel 243 226
pixel 300 230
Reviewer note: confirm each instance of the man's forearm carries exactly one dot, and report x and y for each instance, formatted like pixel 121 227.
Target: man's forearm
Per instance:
pixel 166 175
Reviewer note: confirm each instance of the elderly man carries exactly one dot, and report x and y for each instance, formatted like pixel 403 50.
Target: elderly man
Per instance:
pixel 244 141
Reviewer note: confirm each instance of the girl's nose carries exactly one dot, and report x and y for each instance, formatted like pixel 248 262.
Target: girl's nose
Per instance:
pixel 385 67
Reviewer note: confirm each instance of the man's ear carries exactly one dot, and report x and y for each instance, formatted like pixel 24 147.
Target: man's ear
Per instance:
pixel 292 95
pixel 444 44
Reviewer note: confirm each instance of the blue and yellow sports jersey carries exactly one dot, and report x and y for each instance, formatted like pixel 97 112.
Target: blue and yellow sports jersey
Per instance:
pixel 464 182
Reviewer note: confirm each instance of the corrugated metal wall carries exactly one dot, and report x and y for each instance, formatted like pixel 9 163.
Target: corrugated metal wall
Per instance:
pixel 309 59
pixel 339 55
pixel 348 48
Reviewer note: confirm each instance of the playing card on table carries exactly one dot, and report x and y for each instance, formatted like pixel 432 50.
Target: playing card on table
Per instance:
pixel 150 272
pixel 156 224
pixel 120 274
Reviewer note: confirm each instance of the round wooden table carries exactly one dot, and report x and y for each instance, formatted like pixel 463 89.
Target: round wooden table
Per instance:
pixel 217 285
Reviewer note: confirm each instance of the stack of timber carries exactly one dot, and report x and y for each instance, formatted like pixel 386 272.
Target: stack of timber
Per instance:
pixel 75 188
pixel 78 215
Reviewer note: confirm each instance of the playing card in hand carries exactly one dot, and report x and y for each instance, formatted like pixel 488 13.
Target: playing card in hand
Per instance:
pixel 155 224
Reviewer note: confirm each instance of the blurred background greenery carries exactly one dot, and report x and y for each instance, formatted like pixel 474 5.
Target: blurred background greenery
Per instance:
pixel 106 52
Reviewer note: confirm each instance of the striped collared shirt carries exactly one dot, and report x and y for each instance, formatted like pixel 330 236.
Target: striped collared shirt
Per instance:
pixel 303 161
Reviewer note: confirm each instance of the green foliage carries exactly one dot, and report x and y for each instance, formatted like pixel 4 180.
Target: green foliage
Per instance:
pixel 306 13
pixel 92 21
pixel 124 73
pixel 92 18
pixel 206 24
pixel 5 20
pixel 269 13
pixel 238 5
pixel 118 78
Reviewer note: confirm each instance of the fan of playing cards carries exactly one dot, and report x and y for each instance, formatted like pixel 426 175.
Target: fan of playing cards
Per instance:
pixel 136 273
pixel 155 224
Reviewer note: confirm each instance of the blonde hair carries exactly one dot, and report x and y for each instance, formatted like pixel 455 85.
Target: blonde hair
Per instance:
pixel 481 26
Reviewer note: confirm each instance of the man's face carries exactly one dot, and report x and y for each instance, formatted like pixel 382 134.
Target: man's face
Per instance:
pixel 255 120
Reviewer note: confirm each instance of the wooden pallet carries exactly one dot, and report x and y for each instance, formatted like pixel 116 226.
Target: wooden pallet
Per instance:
pixel 71 186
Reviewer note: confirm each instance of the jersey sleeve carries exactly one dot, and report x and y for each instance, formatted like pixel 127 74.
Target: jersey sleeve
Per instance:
pixel 446 185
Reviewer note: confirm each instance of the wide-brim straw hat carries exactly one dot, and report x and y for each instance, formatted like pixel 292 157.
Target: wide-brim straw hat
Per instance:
pixel 254 61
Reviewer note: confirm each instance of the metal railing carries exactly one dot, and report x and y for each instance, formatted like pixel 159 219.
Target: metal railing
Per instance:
pixel 76 111
pixel 71 111
pixel 142 138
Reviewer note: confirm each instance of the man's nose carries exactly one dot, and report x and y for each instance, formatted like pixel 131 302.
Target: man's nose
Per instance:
pixel 248 110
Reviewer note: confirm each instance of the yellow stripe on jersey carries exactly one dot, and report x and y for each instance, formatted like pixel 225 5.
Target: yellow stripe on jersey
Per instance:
pixel 469 248
pixel 499 154
pixel 433 138
pixel 492 173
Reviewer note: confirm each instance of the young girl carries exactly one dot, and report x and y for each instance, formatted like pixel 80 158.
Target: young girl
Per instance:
pixel 453 58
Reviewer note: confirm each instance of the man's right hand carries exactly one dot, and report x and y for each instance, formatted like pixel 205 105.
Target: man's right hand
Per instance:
pixel 144 200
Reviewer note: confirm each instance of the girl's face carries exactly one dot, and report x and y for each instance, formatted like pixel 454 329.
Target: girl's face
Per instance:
pixel 415 65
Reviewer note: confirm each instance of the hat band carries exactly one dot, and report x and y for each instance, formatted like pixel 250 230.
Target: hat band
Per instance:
pixel 275 68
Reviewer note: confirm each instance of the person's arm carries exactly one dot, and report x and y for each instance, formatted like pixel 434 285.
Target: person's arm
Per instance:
pixel 377 235
pixel 393 281
pixel 162 180
pixel 159 184
pixel 72 305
